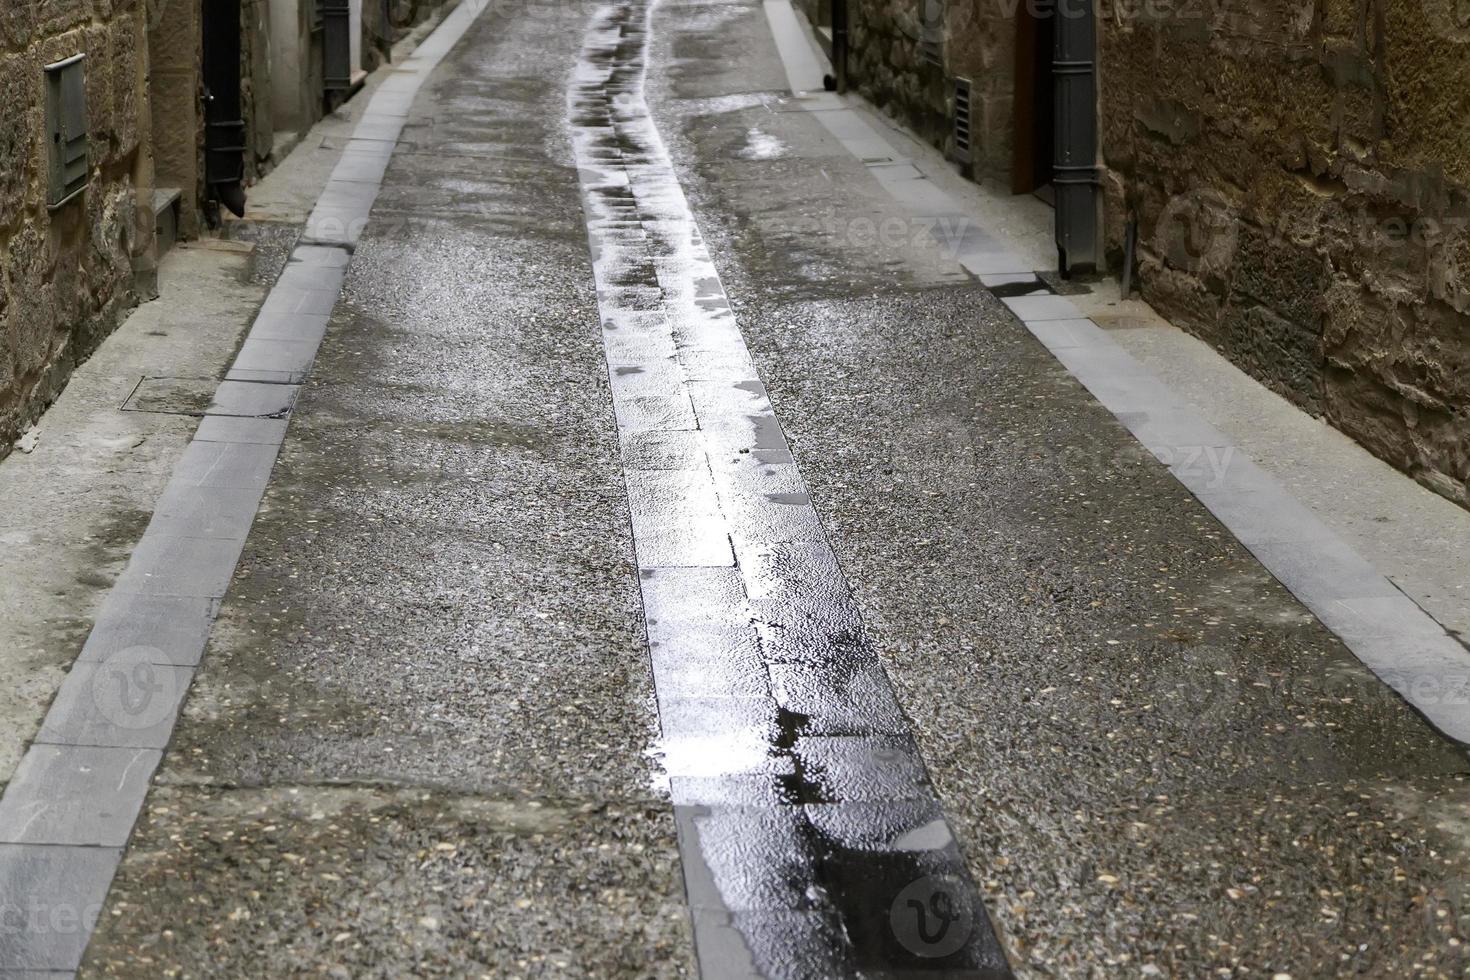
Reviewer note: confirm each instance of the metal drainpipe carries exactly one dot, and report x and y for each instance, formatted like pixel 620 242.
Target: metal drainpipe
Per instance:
pixel 839 44
pixel 1074 178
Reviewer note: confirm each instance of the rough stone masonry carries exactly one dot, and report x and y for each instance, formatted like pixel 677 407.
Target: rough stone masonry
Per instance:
pixel 67 276
pixel 1299 171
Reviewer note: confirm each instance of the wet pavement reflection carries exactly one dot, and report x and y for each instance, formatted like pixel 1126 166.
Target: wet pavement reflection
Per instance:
pixel 812 841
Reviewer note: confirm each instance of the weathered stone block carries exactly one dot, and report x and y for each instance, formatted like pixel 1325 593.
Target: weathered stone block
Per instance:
pixel 17 23
pixel 1277 352
pixel 1168 119
pixel 1196 231
pixel 32 314
pixel 1370 413
pixel 1179 296
pixel 55 16
pixel 1449 269
pixel 1355 322
pixel 126 105
pixel 1280 274
pixel 991 128
pixel 110 215
pixel 99 91
pixel 176 132
pixel 21 127
pixel 173 37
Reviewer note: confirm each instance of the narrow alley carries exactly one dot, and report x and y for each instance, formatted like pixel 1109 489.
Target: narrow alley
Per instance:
pixel 648 524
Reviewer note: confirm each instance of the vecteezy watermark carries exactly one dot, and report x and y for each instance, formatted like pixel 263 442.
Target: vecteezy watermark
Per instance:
pixel 935 20
pixel 1197 685
pixel 331 229
pixel 933 916
pixel 48 919
pixel 1361 226
pixel 1202 467
pixel 946 234
pixel 132 691
pixel 1198 231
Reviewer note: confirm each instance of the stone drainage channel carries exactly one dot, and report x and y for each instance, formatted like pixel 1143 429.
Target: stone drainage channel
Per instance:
pixel 811 839
pixel 69 810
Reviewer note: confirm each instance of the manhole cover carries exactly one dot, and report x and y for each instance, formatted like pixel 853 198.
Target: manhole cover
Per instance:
pixel 207 396
pixel 172 396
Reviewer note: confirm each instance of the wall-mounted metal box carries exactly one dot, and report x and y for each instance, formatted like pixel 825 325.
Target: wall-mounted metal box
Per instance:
pixel 337 45
pixel 66 130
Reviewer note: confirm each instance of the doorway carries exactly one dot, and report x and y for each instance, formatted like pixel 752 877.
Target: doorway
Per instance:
pixel 224 123
pixel 1035 123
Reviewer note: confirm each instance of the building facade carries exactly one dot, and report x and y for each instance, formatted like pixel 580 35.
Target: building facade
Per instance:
pixel 129 124
pixel 1295 175
pixel 76 237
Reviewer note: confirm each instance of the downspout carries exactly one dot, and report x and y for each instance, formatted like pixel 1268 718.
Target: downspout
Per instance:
pixel 1074 171
pixel 839 45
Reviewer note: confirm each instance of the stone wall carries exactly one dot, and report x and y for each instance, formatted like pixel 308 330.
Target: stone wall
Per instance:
pixel 255 86
pixel 1300 174
pixel 403 15
pixel 886 66
pixel 67 278
pixel 174 93
pixel 980 45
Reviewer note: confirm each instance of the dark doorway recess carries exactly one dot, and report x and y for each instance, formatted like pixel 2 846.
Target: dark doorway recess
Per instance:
pixel 224 123
pixel 1035 126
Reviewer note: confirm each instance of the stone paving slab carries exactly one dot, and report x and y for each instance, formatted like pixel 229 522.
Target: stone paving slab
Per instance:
pixel 76 794
pixel 170 630
pixel 125 701
pixel 60 890
pixel 173 565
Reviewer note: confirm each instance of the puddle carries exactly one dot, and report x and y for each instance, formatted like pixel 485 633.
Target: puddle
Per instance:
pixel 762 146
pixel 795 781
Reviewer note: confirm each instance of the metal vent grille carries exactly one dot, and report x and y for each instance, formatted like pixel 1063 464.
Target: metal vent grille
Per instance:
pixel 66 129
pixel 962 144
pixel 931 32
pixel 931 50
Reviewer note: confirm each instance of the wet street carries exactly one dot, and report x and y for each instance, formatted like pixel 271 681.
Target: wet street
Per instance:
pixel 678 563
